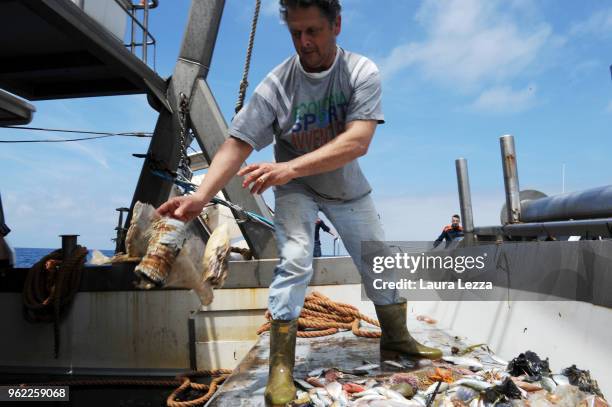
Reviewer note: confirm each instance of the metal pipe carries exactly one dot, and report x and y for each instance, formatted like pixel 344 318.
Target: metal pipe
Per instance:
pixel 588 204
pixel 145 32
pixel 132 43
pixel 586 227
pixel 511 182
pixel 69 244
pixel 465 200
pixel 121 231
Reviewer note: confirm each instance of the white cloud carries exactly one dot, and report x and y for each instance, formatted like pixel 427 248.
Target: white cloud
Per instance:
pixel 469 41
pixel 609 107
pixel 599 24
pixel 269 8
pixel 504 99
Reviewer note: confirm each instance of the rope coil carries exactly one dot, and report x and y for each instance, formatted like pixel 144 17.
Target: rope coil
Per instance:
pixel 50 287
pixel 321 316
pixel 218 377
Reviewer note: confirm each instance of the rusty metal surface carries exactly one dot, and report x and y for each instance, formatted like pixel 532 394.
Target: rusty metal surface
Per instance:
pixel 344 351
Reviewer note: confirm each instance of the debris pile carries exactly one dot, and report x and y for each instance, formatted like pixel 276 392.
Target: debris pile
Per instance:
pixel 480 379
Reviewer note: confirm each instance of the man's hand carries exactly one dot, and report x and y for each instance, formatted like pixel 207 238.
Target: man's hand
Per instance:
pixel 265 175
pixel 183 208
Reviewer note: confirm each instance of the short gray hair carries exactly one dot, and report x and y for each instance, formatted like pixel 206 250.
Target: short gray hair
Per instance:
pixel 330 8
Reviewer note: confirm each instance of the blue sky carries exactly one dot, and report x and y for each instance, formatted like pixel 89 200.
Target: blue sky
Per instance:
pixel 456 76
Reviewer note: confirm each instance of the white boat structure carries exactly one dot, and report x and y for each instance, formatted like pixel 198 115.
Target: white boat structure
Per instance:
pixel 553 291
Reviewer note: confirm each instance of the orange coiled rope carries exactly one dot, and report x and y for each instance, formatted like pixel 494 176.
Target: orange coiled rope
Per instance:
pixel 321 316
pixel 218 377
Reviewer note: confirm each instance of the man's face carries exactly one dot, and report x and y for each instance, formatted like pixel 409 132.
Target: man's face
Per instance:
pixel 314 37
pixel 454 222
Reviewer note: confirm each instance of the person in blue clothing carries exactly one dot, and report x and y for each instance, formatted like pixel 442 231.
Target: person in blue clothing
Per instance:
pixel 450 232
pixel 319 224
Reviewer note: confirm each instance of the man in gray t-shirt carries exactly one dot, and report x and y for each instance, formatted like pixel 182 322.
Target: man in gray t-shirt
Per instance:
pixel 321 108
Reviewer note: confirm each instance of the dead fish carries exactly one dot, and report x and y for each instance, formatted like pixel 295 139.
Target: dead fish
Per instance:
pixel 352 388
pixel 370 366
pixel 334 389
pixel 366 400
pixel 473 364
pixel 323 395
pixel 316 400
pixel 314 382
pixel 331 375
pixel 316 372
pixel 419 363
pixel 390 394
pixel 394 403
pixel 499 360
pixel 473 384
pixel 368 392
pixel 465 394
pixel 394 364
pixel 425 318
pixel 526 386
pixel 419 398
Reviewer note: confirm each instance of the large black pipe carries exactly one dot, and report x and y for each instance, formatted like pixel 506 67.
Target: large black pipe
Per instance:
pixel 588 204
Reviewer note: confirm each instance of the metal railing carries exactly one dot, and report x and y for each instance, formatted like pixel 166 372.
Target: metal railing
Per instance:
pixel 131 9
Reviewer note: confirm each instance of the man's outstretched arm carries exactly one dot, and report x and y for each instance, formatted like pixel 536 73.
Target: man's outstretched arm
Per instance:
pixel 347 146
pixel 224 166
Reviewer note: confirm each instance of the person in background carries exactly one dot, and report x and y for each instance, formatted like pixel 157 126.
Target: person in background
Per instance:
pixel 319 224
pixel 450 232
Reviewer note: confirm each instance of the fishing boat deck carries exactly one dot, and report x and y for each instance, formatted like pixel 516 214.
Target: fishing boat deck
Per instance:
pixel 344 351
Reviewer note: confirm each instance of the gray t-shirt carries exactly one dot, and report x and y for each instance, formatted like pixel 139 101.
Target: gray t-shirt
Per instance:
pixel 301 111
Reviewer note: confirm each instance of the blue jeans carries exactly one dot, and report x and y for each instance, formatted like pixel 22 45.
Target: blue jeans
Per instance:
pixel 295 214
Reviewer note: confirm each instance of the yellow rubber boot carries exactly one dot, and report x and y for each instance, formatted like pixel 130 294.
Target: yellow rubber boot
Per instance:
pixel 396 340
pixel 280 389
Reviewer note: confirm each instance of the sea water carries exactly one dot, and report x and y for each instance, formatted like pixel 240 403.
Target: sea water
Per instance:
pixel 27 256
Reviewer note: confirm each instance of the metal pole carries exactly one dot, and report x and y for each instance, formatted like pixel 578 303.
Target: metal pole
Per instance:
pixel 198 43
pixel 593 203
pixel 121 231
pixel 145 32
pixel 511 182
pixel 69 244
pixel 465 200
pixel 133 34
